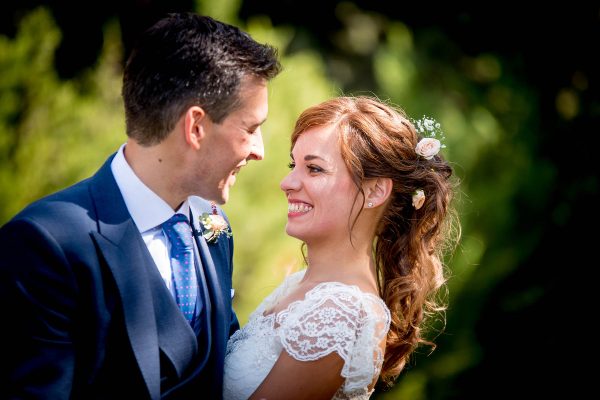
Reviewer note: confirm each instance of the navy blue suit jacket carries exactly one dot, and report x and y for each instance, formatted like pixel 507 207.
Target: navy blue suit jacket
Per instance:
pixel 86 312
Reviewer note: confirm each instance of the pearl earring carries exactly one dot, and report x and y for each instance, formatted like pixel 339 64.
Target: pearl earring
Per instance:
pixel 370 205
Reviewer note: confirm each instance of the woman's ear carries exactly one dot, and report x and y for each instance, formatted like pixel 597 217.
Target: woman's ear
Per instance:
pixel 377 191
pixel 194 120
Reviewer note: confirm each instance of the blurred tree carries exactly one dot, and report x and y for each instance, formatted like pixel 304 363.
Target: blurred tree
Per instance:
pixel 82 26
pixel 52 132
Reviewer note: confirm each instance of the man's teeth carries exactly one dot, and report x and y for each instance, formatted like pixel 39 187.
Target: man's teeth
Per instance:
pixel 298 207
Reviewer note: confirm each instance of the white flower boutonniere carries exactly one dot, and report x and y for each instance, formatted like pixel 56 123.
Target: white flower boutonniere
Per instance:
pixel 213 226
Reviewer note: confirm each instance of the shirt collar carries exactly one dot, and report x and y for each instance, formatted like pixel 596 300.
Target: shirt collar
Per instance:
pixel 146 208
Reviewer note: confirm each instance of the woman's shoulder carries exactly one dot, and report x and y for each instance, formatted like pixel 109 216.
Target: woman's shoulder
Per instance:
pixel 341 318
pixel 347 295
pixel 347 301
pixel 323 298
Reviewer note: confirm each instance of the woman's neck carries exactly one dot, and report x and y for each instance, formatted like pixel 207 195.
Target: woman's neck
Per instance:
pixel 341 262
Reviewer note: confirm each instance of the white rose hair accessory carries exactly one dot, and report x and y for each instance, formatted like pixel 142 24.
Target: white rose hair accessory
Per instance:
pixel 428 148
pixel 432 135
pixel 418 198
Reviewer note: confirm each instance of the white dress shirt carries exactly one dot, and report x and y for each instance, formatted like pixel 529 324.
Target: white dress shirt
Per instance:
pixel 149 212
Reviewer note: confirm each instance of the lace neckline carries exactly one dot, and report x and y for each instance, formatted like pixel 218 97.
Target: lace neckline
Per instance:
pixel 299 275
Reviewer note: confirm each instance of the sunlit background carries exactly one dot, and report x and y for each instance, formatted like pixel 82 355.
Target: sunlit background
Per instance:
pixel 516 93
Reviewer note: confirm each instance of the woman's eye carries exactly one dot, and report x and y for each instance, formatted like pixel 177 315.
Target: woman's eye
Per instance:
pixel 314 169
pixel 291 165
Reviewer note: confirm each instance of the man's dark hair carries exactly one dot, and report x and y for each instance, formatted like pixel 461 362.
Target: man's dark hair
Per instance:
pixel 183 60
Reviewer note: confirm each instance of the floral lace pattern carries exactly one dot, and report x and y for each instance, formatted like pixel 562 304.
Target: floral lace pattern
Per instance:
pixel 332 317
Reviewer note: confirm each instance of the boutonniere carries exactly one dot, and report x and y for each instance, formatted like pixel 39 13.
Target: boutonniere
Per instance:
pixel 214 225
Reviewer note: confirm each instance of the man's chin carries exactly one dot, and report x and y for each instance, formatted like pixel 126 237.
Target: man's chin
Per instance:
pixel 221 201
pixel 222 197
pixel 219 196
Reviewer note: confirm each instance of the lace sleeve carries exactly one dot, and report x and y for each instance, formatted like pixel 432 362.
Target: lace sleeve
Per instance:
pixel 337 318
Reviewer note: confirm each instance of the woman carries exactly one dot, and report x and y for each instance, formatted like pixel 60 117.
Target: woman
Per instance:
pixel 370 200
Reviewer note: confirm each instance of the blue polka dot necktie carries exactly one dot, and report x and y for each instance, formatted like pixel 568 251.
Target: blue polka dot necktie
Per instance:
pixel 179 233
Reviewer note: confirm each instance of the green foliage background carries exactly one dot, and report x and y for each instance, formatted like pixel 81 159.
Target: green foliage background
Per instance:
pixel 55 132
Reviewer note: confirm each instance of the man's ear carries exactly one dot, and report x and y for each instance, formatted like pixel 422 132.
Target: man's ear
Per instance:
pixel 195 119
pixel 377 191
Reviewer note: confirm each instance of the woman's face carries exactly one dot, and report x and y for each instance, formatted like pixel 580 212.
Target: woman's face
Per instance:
pixel 319 188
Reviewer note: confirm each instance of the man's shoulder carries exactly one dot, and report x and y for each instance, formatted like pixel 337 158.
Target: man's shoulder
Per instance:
pixel 65 208
pixel 69 202
pixel 63 218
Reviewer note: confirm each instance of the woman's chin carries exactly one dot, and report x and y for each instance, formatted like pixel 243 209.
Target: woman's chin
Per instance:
pixel 293 232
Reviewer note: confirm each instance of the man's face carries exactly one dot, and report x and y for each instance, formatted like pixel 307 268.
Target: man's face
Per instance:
pixel 229 145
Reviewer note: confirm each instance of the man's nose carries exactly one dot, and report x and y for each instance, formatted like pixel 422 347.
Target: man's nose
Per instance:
pixel 258 149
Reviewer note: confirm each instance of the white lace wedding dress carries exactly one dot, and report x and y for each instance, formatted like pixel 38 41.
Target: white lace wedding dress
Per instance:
pixel 333 317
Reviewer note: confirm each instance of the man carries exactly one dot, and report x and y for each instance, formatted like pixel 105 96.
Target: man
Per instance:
pixel 92 277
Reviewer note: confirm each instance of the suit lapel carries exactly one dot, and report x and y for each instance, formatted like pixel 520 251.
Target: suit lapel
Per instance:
pixel 214 280
pixel 124 257
pixel 151 315
pixel 215 290
pixel 125 263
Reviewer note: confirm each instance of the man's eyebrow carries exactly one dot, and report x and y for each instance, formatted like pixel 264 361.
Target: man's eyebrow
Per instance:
pixel 256 125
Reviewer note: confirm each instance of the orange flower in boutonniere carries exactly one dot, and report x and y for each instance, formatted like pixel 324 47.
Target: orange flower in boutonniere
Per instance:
pixel 214 225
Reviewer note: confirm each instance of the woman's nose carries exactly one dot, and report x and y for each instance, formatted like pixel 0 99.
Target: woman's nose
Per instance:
pixel 290 182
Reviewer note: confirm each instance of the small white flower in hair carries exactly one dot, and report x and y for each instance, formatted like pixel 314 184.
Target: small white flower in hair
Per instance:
pixel 418 198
